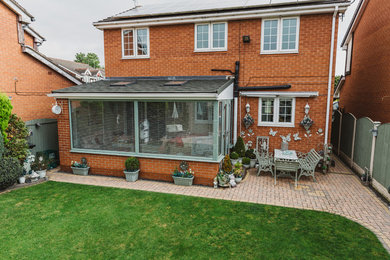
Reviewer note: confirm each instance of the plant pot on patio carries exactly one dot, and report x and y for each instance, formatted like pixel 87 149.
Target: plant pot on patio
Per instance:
pixel 80 171
pixel 42 174
pixel 22 179
pixel 183 181
pixel 246 162
pixel 132 169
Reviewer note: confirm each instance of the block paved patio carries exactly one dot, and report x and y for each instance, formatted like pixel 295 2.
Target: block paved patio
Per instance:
pixel 339 192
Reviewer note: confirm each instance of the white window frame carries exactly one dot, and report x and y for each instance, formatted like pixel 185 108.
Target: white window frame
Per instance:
pixel 209 115
pixel 276 122
pixel 348 63
pixel 135 36
pixel 280 33
pixel 210 48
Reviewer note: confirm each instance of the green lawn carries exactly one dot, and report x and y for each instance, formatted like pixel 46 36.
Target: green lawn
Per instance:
pixel 58 220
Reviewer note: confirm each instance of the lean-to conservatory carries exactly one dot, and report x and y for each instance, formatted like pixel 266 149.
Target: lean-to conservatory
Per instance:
pixel 180 119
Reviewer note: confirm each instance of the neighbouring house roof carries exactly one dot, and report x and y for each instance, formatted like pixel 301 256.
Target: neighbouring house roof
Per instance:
pixel 45 60
pixel 354 22
pixel 148 88
pixel 204 7
pixel 77 67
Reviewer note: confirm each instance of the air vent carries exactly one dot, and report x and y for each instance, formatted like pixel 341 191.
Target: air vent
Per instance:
pixel 122 83
pixel 175 83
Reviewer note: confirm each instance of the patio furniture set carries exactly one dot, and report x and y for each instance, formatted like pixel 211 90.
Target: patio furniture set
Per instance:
pixel 285 163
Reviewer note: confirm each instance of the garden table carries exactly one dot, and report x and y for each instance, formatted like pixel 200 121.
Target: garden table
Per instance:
pixel 286 162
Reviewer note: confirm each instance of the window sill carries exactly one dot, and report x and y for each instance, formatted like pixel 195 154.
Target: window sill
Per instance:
pixel 145 155
pixel 290 125
pixel 211 50
pixel 279 52
pixel 135 57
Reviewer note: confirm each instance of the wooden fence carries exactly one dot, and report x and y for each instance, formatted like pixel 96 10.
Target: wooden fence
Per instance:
pixel 365 146
pixel 43 135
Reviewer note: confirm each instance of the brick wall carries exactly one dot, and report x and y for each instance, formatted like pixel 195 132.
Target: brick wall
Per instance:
pixel 172 54
pixel 32 76
pixel 155 169
pixel 366 91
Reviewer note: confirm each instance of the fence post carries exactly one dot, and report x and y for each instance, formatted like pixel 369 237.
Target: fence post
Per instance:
pixel 374 136
pixel 353 142
pixel 339 139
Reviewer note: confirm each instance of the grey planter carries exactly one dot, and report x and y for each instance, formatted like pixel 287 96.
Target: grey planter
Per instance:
pixel 131 176
pixel 238 180
pixel 80 171
pixel 253 163
pixel 183 181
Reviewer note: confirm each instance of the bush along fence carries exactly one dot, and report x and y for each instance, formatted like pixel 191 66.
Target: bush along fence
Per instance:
pixel 365 146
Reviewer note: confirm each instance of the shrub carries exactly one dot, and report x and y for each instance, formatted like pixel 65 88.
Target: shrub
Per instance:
pixel 5 113
pixel 246 161
pixel 250 154
pixel 17 134
pixel 227 164
pixel 240 147
pixel 10 171
pixel 132 164
pixel 234 156
pixel 1 146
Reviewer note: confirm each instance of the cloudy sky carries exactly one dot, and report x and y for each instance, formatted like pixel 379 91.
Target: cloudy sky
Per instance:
pixel 67 25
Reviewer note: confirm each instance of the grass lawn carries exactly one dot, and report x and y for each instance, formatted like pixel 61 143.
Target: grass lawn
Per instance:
pixel 59 220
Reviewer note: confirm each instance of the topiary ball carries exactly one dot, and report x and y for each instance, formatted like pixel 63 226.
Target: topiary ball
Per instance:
pixel 10 171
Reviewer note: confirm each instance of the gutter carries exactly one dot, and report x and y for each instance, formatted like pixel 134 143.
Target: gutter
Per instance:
pixel 238 15
pixel 330 81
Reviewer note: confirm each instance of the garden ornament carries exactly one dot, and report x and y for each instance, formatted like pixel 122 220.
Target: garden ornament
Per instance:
pixel 232 181
pixel 296 137
pixel 272 132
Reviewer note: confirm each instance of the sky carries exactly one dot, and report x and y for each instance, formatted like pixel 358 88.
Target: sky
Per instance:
pixel 67 25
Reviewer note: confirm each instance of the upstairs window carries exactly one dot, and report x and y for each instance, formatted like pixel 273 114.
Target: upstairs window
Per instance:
pixel 211 37
pixel 135 43
pixel 280 35
pixel 348 62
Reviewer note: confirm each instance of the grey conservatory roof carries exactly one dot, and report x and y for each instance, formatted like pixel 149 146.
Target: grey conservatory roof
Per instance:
pixel 142 87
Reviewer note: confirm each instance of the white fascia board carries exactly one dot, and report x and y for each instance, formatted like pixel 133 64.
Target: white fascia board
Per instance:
pixel 24 16
pixel 47 62
pixel 278 94
pixel 134 96
pixel 37 37
pixel 355 21
pixel 227 94
pixel 237 15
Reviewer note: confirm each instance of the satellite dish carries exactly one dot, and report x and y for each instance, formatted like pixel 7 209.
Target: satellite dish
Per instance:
pixel 56 109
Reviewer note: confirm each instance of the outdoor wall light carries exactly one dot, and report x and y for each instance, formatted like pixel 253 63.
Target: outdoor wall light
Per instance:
pixel 248 108
pixel 246 39
pixel 307 109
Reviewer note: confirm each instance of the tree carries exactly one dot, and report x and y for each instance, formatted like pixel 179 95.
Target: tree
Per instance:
pixel 91 59
pixel 17 133
pixel 336 80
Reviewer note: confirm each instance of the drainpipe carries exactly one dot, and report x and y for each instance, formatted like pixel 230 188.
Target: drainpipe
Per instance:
pixel 330 74
pixel 374 136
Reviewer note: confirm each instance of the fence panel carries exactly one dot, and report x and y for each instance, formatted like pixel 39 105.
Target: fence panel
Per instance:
pixel 336 130
pixel 347 134
pixel 381 171
pixel 363 142
pixel 44 135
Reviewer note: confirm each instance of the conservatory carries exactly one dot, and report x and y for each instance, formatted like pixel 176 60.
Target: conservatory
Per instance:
pixel 180 118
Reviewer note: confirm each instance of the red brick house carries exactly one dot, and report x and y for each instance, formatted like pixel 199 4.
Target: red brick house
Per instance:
pixel 365 89
pixel 181 76
pixel 26 75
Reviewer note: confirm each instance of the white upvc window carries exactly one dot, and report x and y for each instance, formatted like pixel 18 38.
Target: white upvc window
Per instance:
pixel 203 112
pixel 278 112
pixel 280 35
pixel 135 43
pixel 211 37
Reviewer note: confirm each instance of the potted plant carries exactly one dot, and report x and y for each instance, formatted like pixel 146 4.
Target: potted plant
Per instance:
pixel 239 148
pixel 132 169
pixel 80 168
pixel 251 155
pixel 39 166
pixel 22 178
pixel 237 171
pixel 225 172
pixel 246 162
pixel 234 157
pixel 184 176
